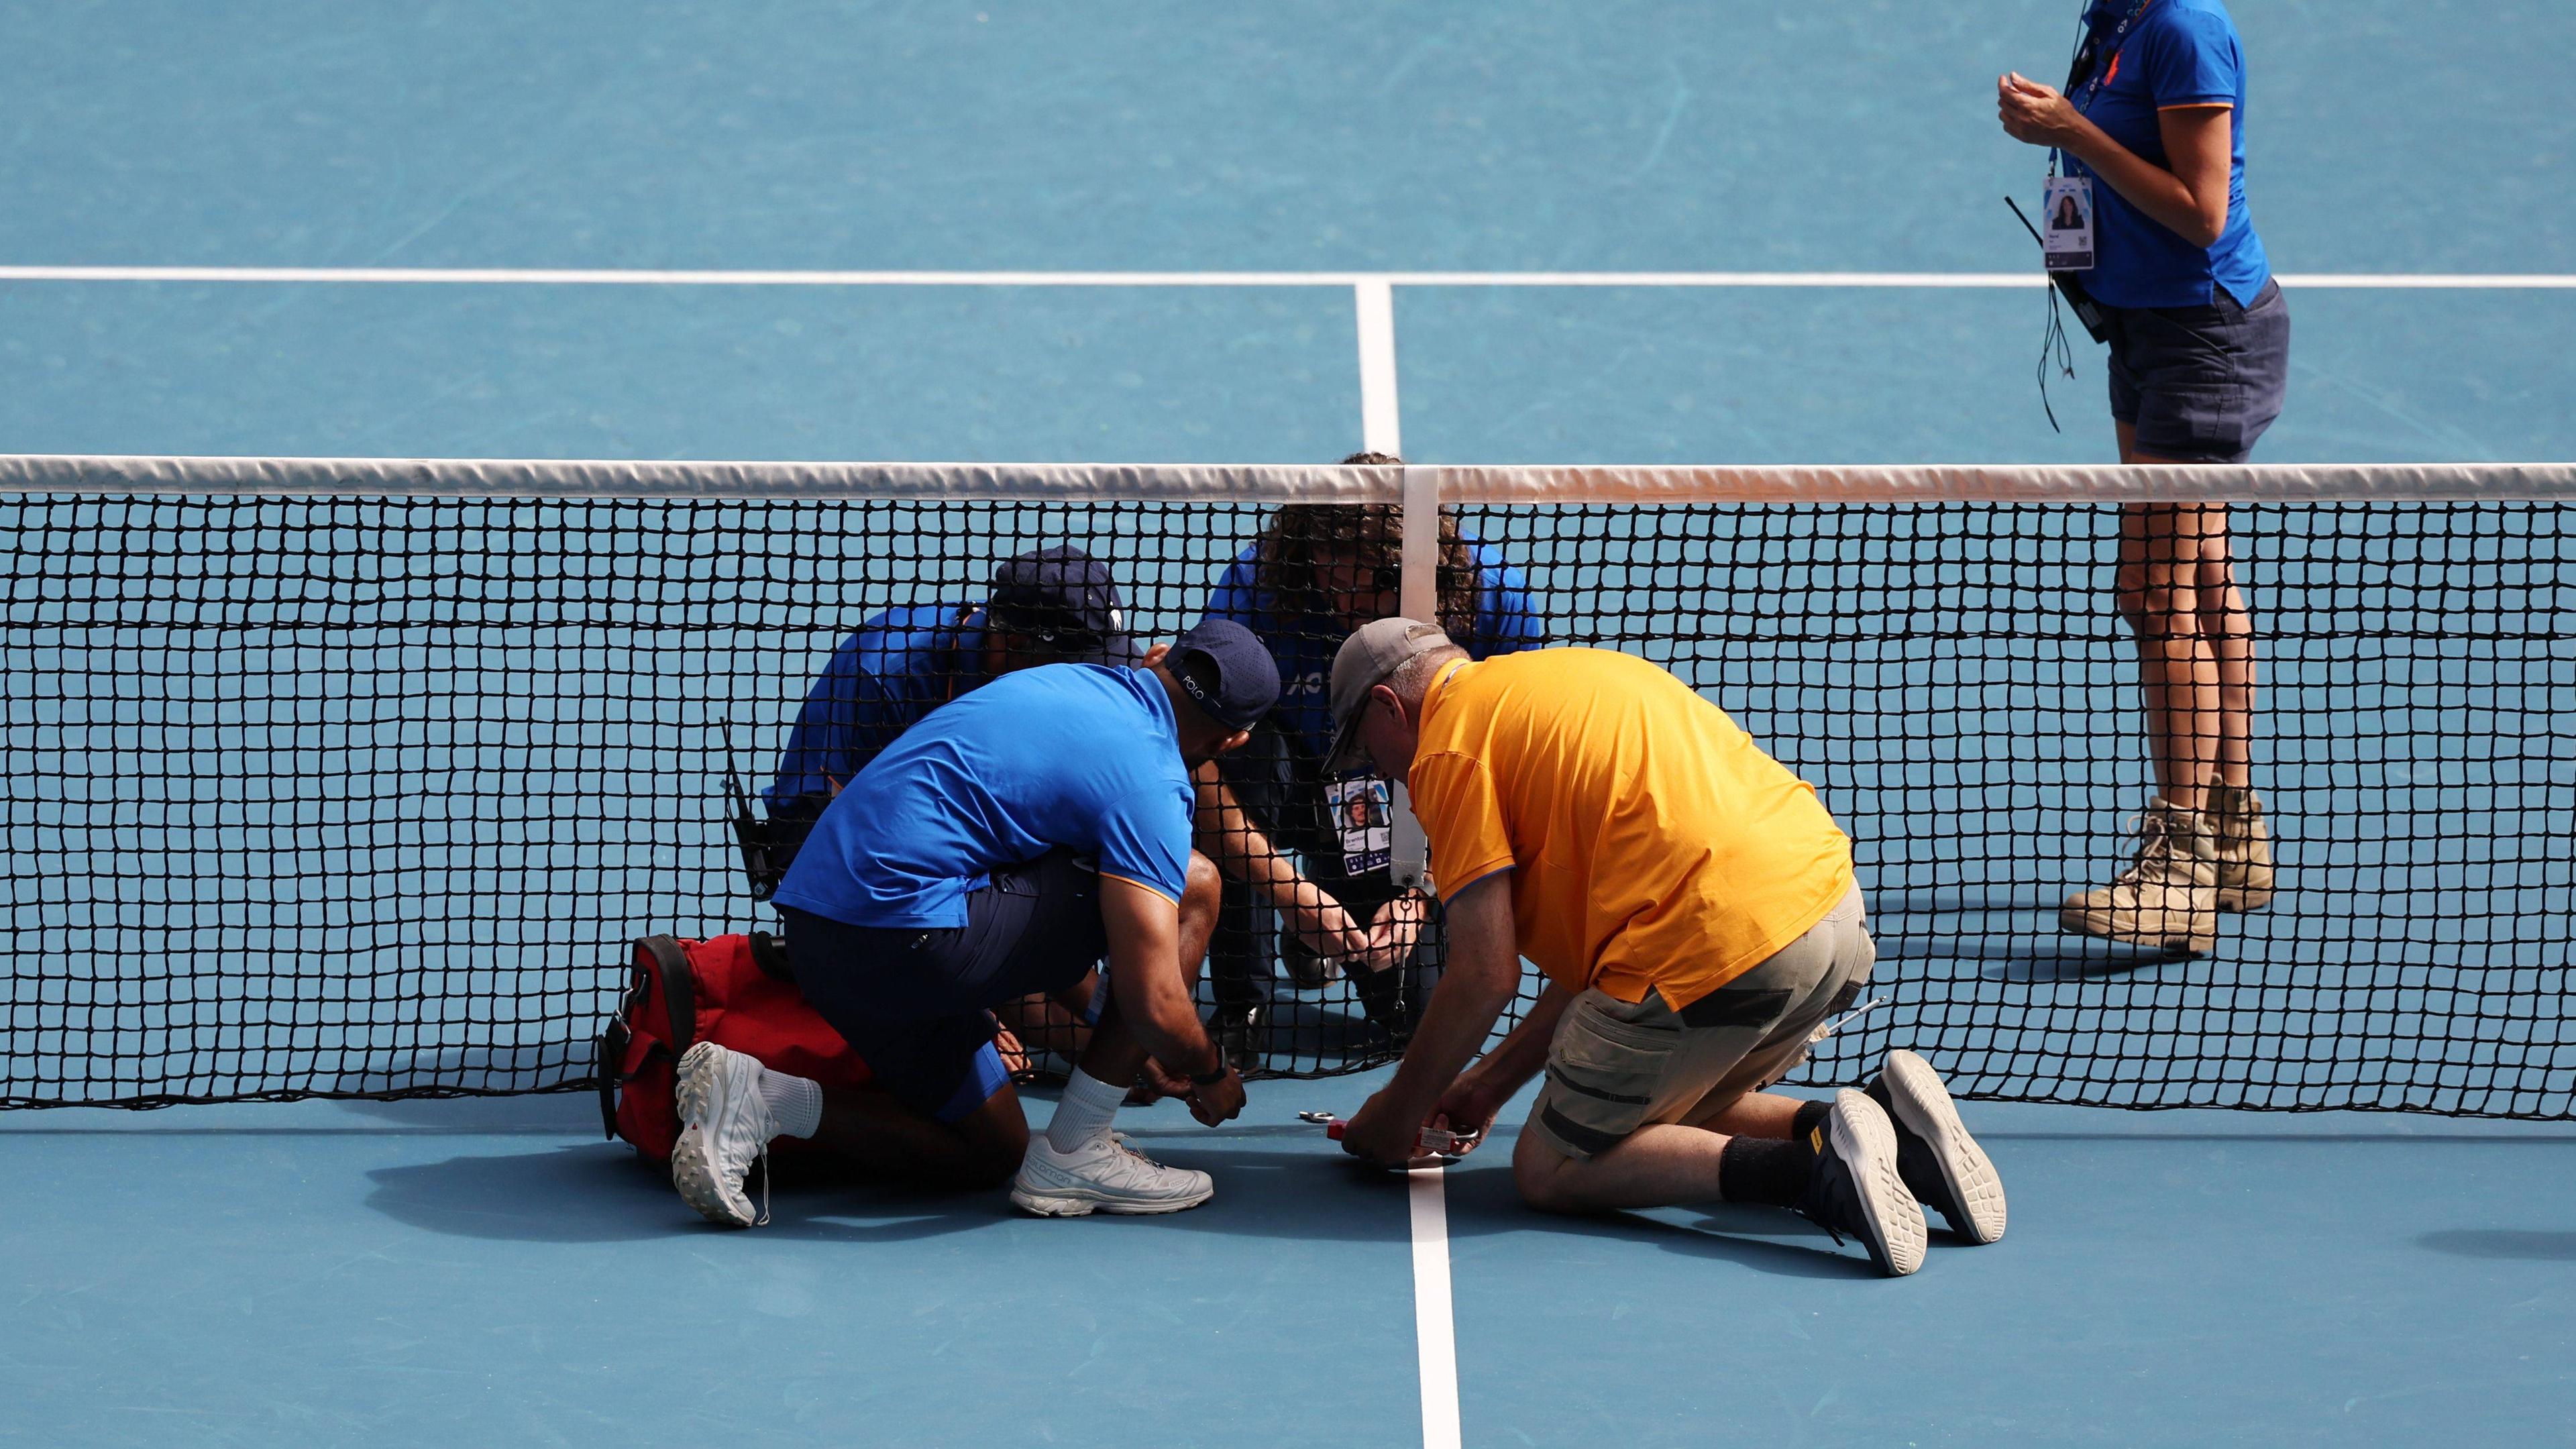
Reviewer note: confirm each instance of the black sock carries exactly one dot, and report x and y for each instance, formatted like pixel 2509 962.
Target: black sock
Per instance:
pixel 1807 1127
pixel 1764 1170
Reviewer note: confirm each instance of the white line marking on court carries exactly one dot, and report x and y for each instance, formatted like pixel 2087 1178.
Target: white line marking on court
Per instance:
pixel 613 277
pixel 1434 1334
pixel 1381 430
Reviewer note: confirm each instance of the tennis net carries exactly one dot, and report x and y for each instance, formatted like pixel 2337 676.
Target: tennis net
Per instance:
pixel 355 777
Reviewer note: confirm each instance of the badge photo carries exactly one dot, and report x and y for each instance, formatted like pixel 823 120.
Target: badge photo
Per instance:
pixel 1362 819
pixel 2067 224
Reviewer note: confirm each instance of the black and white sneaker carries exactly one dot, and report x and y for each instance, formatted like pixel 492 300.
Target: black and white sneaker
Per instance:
pixel 1943 1166
pixel 1855 1187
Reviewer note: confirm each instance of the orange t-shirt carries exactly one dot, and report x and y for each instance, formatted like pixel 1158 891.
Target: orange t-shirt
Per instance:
pixel 1653 845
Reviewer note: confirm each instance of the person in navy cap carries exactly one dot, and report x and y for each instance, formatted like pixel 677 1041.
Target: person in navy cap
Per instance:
pixel 1053 605
pixel 998 849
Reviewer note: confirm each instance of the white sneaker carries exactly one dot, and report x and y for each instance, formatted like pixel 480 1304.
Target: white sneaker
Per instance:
pixel 724 1130
pixel 1103 1175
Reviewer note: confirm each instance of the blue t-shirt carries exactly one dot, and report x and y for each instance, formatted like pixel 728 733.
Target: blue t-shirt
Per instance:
pixel 2179 53
pixel 1505 622
pixel 1079 756
pixel 898 667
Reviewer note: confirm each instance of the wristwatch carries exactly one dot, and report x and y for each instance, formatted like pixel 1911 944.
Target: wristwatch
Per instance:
pixel 1210 1079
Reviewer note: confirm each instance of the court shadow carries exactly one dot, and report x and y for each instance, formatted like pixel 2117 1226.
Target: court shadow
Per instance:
pixel 504 1070
pixel 2030 958
pixel 1928 901
pixel 2521 1244
pixel 603 1194
pixel 1482 1202
pixel 597 1193
pixel 549 1112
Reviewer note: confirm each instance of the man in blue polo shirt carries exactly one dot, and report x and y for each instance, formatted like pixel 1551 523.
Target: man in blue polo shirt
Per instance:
pixel 998 849
pixel 1048 606
pixel 1054 605
pixel 1317 573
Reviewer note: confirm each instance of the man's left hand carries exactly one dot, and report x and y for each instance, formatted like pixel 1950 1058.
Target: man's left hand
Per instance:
pixel 1384 1133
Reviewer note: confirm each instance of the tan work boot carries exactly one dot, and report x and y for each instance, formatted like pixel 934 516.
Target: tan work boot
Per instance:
pixel 2168 897
pixel 2244 849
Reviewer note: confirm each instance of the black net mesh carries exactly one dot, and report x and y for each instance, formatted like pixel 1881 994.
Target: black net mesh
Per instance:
pixel 317 796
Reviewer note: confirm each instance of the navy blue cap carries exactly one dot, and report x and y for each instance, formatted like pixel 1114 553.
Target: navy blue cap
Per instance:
pixel 1245 677
pixel 1064 599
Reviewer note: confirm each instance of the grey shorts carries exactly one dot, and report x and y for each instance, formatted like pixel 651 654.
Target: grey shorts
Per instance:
pixel 2201 383
pixel 1615 1066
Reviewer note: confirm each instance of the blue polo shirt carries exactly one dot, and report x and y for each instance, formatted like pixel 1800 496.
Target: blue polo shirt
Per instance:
pixel 2179 53
pixel 1080 756
pixel 1505 622
pixel 897 667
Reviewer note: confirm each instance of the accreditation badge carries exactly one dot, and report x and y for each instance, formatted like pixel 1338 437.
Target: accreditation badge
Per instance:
pixel 1363 821
pixel 2066 231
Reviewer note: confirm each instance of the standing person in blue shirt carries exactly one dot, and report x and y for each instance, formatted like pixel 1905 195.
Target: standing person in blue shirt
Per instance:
pixel 1050 605
pixel 1316 574
pixel 2153 122
pixel 996 850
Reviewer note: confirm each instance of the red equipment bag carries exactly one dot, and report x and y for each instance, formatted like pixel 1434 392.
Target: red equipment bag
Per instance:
pixel 734 991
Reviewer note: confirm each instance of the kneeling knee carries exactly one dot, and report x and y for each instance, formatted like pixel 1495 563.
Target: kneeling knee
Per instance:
pixel 1203 884
pixel 1540 1176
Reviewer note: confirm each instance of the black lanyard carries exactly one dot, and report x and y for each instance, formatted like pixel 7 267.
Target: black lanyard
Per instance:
pixel 2088 56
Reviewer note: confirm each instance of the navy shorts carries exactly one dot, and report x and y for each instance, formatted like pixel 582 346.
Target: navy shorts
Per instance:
pixel 914 1002
pixel 2200 383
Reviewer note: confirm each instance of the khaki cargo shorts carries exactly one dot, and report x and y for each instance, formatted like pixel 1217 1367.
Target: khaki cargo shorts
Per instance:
pixel 1616 1066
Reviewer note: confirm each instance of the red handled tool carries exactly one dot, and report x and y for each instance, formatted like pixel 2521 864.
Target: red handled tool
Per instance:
pixel 1435 1142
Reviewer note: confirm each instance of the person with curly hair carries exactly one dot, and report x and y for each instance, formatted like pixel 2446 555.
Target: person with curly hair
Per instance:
pixel 1267 812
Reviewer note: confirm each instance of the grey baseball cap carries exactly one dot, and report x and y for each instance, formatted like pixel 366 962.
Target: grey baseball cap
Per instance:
pixel 1362 664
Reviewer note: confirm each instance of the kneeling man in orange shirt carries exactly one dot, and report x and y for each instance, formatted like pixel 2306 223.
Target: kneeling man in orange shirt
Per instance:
pixel 1694 909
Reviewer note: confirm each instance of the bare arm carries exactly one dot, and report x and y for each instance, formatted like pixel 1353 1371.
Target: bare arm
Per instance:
pixel 2188 196
pixel 1240 849
pixel 1482 976
pixel 1522 1055
pixel 1144 932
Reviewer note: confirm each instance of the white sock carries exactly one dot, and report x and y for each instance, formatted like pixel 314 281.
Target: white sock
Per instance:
pixel 795 1103
pixel 1083 1112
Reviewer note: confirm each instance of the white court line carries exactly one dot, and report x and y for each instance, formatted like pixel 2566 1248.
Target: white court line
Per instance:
pixel 1380 428
pixel 1435 1338
pixel 1434 1334
pixel 612 277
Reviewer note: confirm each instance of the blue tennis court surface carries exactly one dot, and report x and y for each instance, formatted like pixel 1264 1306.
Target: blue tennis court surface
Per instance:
pixel 442 1272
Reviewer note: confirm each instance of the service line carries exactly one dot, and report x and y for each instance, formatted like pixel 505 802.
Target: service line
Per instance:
pixel 642 277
